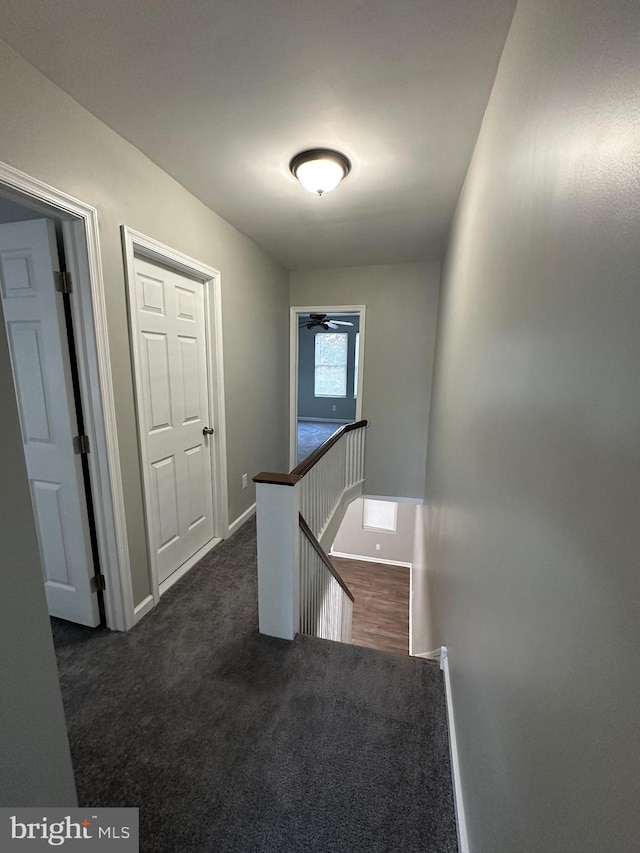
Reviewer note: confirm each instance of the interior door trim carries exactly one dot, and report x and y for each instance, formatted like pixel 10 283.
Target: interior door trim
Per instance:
pixel 137 245
pixel 82 250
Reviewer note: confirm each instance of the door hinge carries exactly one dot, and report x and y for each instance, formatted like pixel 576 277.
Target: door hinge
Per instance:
pixel 98 583
pixel 63 282
pixel 81 444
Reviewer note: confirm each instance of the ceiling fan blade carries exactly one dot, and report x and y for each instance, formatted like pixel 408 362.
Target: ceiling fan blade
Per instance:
pixel 341 322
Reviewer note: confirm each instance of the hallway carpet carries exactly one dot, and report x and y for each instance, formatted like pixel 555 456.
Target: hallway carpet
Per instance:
pixel 312 434
pixel 230 741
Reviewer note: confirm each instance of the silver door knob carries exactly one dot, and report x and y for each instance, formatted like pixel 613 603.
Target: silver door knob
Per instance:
pixel 208 431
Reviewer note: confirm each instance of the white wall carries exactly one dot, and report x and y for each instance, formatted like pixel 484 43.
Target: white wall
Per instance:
pixel 534 452
pixel 402 304
pixel 352 538
pixel 35 769
pixel 48 135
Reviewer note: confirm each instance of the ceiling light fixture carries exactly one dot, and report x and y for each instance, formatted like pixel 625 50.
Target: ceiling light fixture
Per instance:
pixel 320 170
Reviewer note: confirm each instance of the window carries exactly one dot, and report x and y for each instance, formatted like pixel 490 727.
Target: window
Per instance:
pixel 355 367
pixel 330 378
pixel 379 515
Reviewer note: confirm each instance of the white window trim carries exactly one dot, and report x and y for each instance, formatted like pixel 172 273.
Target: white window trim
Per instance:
pixel 356 365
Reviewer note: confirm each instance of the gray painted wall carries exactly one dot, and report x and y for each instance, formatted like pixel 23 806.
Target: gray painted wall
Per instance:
pixel 35 769
pixel 401 302
pixel 83 157
pixel 534 449
pixel 310 406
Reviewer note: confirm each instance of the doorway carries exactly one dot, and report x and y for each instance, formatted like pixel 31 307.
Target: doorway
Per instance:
pixel 327 362
pixel 42 298
pixel 39 328
pixel 176 340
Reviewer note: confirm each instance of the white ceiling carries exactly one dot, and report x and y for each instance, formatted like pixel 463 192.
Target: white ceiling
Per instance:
pixel 222 93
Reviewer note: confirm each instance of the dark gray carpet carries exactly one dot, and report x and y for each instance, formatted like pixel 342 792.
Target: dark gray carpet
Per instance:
pixel 230 741
pixel 312 434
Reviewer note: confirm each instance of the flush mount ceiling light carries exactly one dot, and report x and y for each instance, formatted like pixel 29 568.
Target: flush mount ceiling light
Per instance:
pixel 320 170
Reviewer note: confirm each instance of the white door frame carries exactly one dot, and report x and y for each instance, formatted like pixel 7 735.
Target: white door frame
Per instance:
pixel 293 363
pixel 82 250
pixel 139 245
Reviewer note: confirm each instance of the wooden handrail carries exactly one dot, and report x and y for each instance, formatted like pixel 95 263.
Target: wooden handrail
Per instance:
pixel 313 458
pixel 307 464
pixel 317 547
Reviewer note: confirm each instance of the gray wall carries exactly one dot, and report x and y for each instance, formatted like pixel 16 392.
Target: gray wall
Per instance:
pixel 310 406
pixel 48 135
pixel 534 452
pixel 401 302
pixel 35 769
pixel 352 538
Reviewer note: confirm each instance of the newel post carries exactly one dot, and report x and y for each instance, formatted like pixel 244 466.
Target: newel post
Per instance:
pixel 277 510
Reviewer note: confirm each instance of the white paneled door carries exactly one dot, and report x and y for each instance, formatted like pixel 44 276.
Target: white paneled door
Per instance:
pixel 36 331
pixel 169 331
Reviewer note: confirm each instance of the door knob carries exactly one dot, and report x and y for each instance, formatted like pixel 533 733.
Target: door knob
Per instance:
pixel 208 431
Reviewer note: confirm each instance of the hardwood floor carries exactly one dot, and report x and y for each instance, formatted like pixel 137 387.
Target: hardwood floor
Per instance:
pixel 381 608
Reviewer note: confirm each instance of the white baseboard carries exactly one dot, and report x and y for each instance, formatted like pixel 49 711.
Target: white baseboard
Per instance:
pixel 142 609
pixel 240 520
pixel 370 559
pixel 463 839
pixel 185 567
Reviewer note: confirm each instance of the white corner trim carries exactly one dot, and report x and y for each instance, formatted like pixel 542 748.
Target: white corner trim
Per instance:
pixel 241 519
pixel 461 823
pixel 143 608
pixel 370 559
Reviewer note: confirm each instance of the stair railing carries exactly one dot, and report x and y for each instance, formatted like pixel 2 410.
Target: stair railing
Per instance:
pixel 326 602
pixel 297 587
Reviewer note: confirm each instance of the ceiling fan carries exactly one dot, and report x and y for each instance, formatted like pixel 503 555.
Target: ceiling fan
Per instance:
pixel 323 321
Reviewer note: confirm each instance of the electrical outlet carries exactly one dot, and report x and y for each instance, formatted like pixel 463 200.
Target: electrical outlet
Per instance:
pixel 333 408
pixel 245 481
pixel 377 547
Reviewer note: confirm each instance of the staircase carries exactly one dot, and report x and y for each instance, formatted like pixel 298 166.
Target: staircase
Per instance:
pixel 298 515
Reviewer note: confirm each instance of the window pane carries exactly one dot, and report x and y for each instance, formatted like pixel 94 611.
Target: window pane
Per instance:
pixel 331 348
pixel 331 364
pixel 331 381
pixel 380 515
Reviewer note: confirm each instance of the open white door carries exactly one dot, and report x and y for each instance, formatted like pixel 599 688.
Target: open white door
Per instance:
pixel 169 332
pixel 35 324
